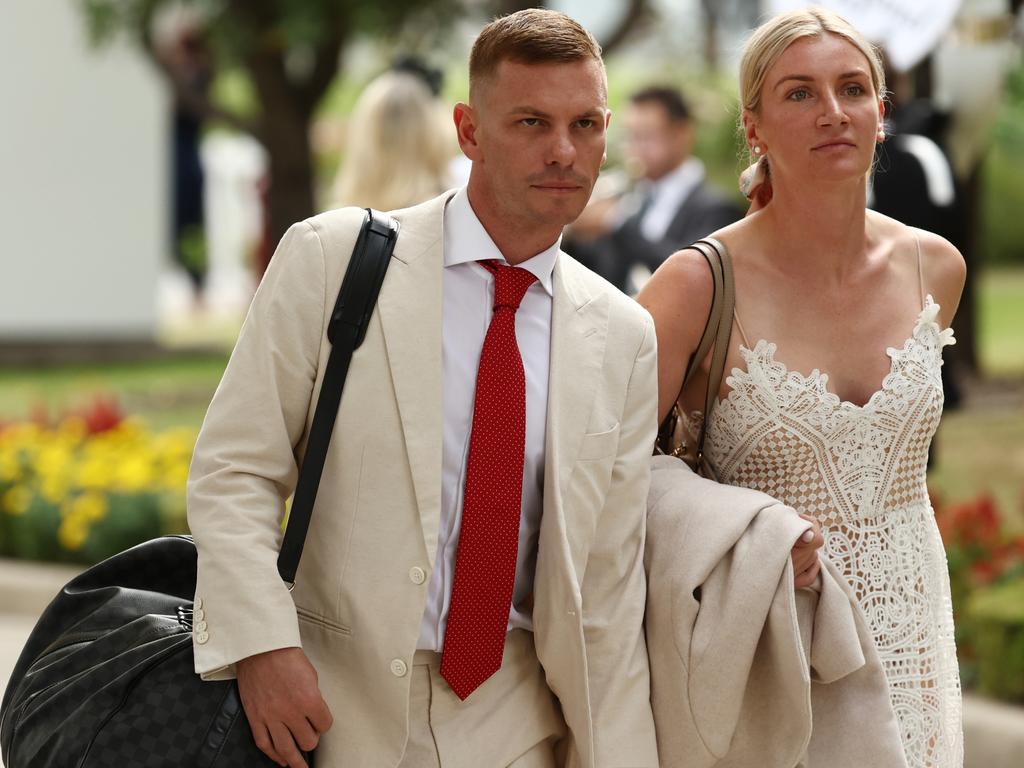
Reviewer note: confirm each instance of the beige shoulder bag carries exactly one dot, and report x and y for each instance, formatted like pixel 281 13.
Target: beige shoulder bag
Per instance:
pixel 674 438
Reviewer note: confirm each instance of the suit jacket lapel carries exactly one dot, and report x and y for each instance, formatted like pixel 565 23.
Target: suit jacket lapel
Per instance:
pixel 579 324
pixel 410 308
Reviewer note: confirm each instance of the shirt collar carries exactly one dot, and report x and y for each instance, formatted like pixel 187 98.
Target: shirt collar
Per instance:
pixel 683 179
pixel 466 240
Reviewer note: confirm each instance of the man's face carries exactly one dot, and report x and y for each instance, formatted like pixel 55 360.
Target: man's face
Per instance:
pixel 536 136
pixel 655 145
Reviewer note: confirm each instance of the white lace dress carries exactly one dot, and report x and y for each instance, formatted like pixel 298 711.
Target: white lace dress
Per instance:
pixel 861 471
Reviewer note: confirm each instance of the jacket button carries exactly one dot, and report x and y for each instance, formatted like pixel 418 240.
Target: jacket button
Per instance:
pixel 202 637
pixel 198 614
pixel 198 603
pixel 417 575
pixel 200 626
pixel 399 668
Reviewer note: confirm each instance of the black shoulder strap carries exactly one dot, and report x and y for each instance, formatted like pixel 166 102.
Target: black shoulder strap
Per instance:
pixel 346 330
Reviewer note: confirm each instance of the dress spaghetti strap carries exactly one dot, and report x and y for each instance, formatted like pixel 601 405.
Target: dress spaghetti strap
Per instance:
pixel 920 270
pixel 739 325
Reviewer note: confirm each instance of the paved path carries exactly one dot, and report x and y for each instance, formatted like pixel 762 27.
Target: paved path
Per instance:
pixel 25 590
pixel 14 631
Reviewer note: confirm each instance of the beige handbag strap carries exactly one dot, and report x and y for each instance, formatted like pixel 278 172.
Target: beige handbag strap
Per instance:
pixel 717 331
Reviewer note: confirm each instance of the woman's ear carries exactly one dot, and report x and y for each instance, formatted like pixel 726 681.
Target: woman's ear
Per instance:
pixel 750 134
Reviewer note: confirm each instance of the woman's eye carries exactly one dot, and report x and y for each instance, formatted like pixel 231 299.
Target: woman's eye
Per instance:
pixel 854 90
pixel 799 95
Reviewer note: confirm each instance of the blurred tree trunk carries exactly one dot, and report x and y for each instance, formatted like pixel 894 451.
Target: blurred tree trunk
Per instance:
pixel 711 25
pixel 634 13
pixel 290 52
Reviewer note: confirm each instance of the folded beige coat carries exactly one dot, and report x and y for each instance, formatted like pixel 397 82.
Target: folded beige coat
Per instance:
pixel 746 670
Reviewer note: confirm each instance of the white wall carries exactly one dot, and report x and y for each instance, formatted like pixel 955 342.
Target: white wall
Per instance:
pixel 83 180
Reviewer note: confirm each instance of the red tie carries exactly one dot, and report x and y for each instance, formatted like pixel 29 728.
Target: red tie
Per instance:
pixel 485 566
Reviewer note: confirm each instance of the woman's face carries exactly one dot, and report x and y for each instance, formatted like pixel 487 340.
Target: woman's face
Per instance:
pixel 819 115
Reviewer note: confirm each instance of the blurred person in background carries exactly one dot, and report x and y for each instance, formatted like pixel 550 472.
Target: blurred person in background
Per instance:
pixel 186 53
pixel 399 149
pixel 671 206
pixel 858 307
pixel 914 183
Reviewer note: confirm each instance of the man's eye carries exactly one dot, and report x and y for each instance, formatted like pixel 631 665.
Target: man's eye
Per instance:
pixel 586 123
pixel 530 121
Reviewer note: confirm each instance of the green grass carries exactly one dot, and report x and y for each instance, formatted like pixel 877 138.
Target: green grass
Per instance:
pixel 165 393
pixel 980 450
pixel 1001 322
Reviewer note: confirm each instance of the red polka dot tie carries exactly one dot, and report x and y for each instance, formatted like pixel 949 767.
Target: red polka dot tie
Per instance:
pixel 485 566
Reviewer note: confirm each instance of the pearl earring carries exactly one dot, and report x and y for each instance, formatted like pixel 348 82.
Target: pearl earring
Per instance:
pixel 757 149
pixel 881 134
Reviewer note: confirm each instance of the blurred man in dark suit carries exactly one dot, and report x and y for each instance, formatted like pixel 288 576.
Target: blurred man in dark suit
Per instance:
pixel 671 206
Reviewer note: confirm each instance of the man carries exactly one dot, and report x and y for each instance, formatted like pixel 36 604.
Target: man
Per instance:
pixel 672 206
pixel 440 434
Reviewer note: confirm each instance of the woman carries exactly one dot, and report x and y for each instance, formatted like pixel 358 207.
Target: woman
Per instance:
pixel 835 356
pixel 398 150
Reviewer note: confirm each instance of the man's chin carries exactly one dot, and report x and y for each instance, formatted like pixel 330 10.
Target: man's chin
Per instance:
pixel 561 208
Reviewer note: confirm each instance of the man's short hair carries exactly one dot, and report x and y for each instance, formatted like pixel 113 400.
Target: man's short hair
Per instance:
pixel 531 36
pixel 668 98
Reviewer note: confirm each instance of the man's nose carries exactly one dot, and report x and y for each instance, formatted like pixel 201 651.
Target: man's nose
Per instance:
pixel 562 150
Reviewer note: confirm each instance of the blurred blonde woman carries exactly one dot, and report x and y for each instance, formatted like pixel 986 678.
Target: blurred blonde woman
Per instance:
pixel 841 317
pixel 398 148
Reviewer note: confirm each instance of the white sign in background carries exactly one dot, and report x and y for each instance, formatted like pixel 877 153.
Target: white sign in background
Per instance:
pixel 908 30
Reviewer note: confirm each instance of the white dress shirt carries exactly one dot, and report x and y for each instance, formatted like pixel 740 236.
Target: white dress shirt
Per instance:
pixel 668 195
pixel 468 299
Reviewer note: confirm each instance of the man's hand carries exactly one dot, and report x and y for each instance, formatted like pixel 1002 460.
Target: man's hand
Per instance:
pixel 281 698
pixel 805 554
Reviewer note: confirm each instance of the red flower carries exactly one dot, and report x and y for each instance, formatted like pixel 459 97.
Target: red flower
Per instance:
pixel 103 414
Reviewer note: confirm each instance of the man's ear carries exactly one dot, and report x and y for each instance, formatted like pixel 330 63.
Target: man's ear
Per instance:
pixel 466 122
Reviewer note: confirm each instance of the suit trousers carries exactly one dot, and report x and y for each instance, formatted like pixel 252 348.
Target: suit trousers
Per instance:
pixel 512 720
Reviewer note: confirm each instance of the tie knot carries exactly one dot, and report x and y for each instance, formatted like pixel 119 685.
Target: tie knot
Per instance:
pixel 510 283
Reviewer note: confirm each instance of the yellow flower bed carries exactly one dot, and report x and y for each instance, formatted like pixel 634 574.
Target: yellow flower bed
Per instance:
pixel 70 494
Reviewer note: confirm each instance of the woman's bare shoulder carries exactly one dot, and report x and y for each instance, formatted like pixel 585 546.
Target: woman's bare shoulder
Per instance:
pixel 680 288
pixel 943 269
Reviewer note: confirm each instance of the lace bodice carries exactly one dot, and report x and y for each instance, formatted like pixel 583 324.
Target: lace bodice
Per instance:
pixel 861 471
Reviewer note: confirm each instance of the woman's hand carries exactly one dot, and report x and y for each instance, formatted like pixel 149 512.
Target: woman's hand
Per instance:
pixel 805 554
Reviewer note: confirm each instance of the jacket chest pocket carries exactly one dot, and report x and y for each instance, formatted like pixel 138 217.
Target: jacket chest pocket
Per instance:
pixel 596 446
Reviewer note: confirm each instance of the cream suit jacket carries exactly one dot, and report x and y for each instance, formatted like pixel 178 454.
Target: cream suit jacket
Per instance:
pixel 361 588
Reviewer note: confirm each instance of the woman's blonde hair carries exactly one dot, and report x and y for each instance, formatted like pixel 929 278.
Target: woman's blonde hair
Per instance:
pixel 770 40
pixel 398 146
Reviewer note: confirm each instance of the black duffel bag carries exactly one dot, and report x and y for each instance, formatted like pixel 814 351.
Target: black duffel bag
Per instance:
pixel 107 677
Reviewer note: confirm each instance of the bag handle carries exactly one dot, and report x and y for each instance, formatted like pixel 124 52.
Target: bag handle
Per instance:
pixel 346 331
pixel 717 332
